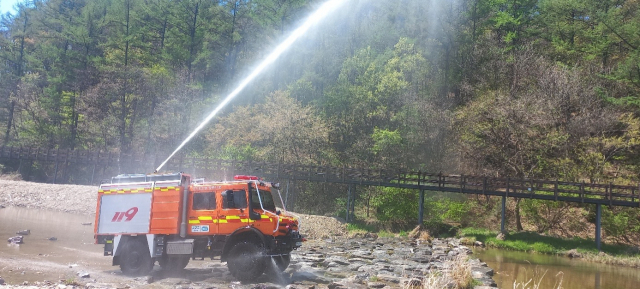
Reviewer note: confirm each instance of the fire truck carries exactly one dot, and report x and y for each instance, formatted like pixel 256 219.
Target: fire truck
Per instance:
pixel 168 218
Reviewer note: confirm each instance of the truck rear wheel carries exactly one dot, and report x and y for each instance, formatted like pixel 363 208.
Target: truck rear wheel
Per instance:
pixel 246 261
pixel 135 258
pixel 173 262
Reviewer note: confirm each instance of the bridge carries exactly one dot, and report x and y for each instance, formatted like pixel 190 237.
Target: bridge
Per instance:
pixel 105 165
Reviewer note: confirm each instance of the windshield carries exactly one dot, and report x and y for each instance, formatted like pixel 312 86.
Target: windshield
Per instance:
pixel 267 200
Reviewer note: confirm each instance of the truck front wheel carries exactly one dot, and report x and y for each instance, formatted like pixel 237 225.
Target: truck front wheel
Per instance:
pixel 246 261
pixel 135 258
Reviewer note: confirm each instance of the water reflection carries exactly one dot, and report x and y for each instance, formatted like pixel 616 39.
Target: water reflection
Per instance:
pixel 514 269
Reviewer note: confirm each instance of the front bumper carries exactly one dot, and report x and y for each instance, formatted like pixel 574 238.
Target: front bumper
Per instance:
pixel 286 244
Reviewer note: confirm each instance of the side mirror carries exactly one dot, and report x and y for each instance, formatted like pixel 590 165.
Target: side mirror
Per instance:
pixel 278 212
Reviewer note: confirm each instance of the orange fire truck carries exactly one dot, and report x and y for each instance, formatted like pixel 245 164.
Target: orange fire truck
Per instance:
pixel 168 218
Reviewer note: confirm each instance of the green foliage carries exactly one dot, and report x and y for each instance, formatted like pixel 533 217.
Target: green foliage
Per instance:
pixel 385 140
pixel 396 205
pixel 619 223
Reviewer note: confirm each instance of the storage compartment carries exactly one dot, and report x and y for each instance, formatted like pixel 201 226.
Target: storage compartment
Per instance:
pixel 180 247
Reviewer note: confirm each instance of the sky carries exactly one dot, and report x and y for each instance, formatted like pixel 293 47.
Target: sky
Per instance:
pixel 7 5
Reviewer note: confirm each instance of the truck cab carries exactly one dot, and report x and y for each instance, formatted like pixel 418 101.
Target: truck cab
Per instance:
pixel 167 218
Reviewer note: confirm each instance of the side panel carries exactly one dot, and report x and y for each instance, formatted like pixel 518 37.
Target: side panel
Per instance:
pixel 165 214
pixel 124 213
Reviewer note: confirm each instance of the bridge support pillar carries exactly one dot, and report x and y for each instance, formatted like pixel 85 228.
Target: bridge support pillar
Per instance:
pixel 421 208
pixel 598 225
pixel 348 204
pixel 504 208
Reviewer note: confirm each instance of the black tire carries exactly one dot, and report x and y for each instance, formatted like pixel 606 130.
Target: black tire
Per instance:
pixel 280 262
pixel 246 261
pixel 135 259
pixel 173 263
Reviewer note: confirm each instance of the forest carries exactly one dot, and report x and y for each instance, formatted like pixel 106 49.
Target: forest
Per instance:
pixel 540 89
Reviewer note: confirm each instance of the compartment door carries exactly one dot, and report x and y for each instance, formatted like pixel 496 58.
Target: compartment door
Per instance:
pixel 203 216
pixel 125 213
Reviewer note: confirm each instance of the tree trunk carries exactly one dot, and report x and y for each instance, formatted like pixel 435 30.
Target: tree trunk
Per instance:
pixel 9 122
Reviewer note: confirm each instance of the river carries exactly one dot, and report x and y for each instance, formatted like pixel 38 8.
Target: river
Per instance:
pixel 513 269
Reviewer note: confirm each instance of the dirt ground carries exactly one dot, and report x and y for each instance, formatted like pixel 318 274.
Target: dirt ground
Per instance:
pixel 39 265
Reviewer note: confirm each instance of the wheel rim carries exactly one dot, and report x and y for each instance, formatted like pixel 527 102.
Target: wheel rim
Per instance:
pixel 134 260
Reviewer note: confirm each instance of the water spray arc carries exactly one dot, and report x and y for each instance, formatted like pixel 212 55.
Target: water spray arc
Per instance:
pixel 318 15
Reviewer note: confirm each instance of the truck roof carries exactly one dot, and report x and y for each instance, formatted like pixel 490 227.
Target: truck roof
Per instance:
pixel 174 179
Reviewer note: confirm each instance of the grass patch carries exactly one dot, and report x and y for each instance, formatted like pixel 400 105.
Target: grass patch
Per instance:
pixel 359 227
pixel 386 234
pixel 533 242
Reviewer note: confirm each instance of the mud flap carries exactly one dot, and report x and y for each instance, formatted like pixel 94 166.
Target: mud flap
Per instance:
pixel 116 244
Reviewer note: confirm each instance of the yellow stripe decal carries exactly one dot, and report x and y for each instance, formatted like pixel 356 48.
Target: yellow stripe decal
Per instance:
pixel 233 217
pixel 205 218
pixel 194 222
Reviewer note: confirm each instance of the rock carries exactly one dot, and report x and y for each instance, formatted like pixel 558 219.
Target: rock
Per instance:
pixel 335 285
pixel 486 282
pixel 486 271
pixel 84 275
pixel 376 285
pixel 478 244
pixel 573 253
pixel 339 260
pixel 24 232
pixel 370 235
pixel 87 224
pixel 52 239
pixel 1 281
pixel 16 240
pixel 308 276
pixel 388 278
pixel 501 236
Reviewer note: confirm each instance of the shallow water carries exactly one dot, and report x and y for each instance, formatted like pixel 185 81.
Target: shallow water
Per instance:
pixel 41 259
pixel 514 269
